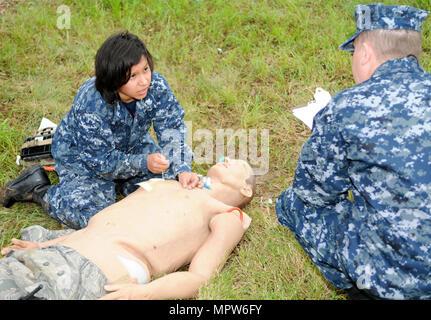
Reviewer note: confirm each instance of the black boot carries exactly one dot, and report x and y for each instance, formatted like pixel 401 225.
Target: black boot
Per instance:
pixel 21 189
pixel 38 194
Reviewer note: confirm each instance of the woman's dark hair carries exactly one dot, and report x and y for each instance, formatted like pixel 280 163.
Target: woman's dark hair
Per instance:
pixel 114 59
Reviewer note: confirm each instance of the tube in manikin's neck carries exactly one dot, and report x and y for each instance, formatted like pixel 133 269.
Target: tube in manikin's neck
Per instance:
pixel 206 181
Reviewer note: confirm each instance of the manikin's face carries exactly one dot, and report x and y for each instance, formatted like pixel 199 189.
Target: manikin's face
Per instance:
pixel 230 172
pixel 139 82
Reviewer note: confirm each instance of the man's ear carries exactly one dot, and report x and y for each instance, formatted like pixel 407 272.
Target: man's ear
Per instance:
pixel 368 60
pixel 368 55
pixel 246 191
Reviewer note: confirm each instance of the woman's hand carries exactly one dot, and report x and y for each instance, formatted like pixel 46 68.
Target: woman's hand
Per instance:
pixel 189 180
pixel 157 163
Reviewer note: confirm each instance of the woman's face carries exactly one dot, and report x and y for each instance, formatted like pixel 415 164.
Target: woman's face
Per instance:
pixel 139 82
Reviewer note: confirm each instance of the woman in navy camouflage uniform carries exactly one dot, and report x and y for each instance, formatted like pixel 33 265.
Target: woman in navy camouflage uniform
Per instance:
pixel 102 145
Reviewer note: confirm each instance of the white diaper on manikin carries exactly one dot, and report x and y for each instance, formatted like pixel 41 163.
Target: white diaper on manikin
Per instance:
pixel 134 269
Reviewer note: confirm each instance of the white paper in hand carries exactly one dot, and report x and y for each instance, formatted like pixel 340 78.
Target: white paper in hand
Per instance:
pixel 307 113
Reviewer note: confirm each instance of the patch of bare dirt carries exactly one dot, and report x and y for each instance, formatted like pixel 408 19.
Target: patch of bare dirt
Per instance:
pixel 7 4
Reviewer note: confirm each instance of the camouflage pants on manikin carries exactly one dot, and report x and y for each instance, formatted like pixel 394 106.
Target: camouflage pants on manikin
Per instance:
pixel 53 272
pixel 76 198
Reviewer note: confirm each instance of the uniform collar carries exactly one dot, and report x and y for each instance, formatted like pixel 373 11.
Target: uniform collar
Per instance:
pixel 401 65
pixel 119 113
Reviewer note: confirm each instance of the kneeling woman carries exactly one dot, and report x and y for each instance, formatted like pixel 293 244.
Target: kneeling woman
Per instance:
pixel 102 145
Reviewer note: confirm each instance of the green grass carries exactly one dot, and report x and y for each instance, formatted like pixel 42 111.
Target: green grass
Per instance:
pixel 273 55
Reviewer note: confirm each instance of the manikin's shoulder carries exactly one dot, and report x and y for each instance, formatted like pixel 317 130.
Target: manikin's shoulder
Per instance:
pixel 227 217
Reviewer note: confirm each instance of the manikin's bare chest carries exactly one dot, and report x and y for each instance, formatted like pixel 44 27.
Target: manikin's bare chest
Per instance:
pixel 162 226
pixel 159 213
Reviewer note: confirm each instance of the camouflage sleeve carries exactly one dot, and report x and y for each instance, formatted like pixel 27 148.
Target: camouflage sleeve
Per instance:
pixel 169 126
pixel 98 152
pixel 321 176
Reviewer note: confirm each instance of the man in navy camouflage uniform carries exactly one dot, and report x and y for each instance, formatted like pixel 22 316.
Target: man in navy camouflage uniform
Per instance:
pixel 102 145
pixel 360 203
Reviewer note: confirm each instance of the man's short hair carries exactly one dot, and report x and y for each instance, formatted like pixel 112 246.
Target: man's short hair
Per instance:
pixel 393 44
pixel 114 59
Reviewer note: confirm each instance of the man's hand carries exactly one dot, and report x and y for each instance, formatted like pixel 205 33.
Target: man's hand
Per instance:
pixel 189 180
pixel 157 163
pixel 20 245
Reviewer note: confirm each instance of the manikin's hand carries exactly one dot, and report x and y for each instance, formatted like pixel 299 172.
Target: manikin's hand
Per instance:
pixel 19 245
pixel 129 290
pixel 189 180
pixel 157 163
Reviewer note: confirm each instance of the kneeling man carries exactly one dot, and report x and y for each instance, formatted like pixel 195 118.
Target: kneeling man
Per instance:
pixel 360 203
pixel 151 233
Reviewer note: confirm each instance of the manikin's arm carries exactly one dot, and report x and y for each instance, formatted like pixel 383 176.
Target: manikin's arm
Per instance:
pixel 226 231
pixel 26 245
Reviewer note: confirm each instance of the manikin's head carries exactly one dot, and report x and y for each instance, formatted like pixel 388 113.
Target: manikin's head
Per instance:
pixel 232 182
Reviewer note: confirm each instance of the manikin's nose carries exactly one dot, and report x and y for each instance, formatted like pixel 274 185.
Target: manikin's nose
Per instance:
pixel 226 161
